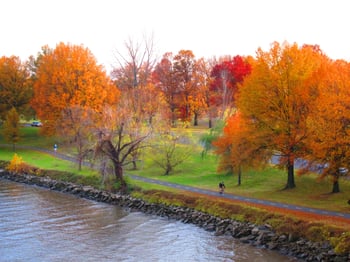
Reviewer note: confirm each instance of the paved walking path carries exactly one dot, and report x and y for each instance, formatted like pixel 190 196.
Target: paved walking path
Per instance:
pixel 209 192
pixel 244 199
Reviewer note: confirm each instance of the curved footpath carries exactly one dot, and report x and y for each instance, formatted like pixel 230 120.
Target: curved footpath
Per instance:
pixel 209 192
pixel 244 199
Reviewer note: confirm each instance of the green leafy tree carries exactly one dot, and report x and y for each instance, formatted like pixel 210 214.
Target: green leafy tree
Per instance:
pixel 170 151
pixel 11 129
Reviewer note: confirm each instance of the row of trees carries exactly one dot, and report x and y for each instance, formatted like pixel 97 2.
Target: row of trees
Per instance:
pixel 290 101
pixel 294 104
pixel 109 116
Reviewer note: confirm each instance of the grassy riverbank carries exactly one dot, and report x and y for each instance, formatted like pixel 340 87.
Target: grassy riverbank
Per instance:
pixel 201 172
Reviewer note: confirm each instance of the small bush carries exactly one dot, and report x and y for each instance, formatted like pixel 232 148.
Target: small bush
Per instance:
pixel 291 226
pixel 4 164
pixel 115 186
pixel 18 166
pixel 341 244
pixel 317 233
pixel 91 180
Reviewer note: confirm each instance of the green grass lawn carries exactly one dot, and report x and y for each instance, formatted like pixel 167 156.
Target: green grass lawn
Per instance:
pixel 263 184
pixel 43 161
pixel 201 172
pixel 30 137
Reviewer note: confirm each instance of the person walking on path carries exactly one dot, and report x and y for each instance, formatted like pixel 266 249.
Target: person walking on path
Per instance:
pixel 221 187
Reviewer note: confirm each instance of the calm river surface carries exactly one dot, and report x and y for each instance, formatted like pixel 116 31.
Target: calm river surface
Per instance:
pixel 41 225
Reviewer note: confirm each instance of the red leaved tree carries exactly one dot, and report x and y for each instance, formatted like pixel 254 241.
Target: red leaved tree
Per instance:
pixel 226 77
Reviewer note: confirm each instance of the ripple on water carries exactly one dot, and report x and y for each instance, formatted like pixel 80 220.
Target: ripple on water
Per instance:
pixel 41 225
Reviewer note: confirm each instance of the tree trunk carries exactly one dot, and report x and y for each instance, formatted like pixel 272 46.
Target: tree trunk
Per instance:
pixel 80 163
pixel 239 175
pixel 210 123
pixel 168 169
pixel 134 160
pixel 103 170
pixel 195 119
pixel 173 117
pixel 290 169
pixel 336 188
pixel 118 170
pixel 134 165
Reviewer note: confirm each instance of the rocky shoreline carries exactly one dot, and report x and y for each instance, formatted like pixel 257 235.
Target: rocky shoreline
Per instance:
pixel 259 236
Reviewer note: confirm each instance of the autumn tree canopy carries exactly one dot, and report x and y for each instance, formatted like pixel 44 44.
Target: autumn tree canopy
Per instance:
pixel 15 86
pixel 225 79
pixel 199 98
pixel 69 76
pixel 183 80
pixel 277 98
pixel 185 70
pixel 239 147
pixel 329 142
pixel 164 80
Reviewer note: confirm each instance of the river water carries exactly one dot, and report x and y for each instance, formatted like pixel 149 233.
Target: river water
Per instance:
pixel 42 225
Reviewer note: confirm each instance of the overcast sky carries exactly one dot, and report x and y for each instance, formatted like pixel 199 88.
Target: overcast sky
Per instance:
pixel 207 27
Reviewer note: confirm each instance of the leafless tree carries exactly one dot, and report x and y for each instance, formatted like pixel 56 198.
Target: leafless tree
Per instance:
pixel 133 68
pixel 118 139
pixel 132 76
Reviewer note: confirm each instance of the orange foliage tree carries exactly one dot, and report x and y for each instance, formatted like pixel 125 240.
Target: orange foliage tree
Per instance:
pixel 183 81
pixel 15 86
pixel 164 80
pixel 277 97
pixel 199 100
pixel 238 147
pixel 69 76
pixel 185 71
pixel 329 144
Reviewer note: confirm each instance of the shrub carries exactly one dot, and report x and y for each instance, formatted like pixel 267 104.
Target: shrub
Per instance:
pixel 317 233
pixel 3 164
pixel 341 244
pixel 91 180
pixel 18 166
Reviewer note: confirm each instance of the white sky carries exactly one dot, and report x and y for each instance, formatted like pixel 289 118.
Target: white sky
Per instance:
pixel 207 27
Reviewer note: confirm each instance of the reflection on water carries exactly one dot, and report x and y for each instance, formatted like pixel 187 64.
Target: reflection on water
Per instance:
pixel 42 225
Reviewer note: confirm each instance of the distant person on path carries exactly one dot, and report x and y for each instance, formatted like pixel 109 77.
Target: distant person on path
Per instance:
pixel 221 187
pixel 55 147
